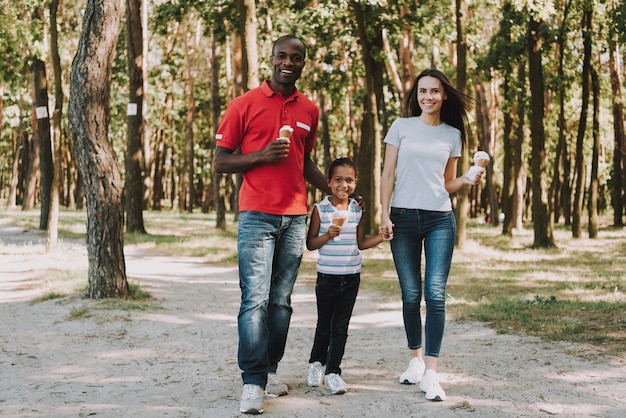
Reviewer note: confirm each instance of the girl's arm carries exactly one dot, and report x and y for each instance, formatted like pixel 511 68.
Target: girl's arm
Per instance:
pixel 366 242
pixel 313 241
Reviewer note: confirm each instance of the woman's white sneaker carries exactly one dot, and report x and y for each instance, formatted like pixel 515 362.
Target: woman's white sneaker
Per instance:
pixel 316 374
pixel 414 372
pixel 430 385
pixel 335 384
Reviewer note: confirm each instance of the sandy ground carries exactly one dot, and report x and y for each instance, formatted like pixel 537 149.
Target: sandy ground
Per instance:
pixel 178 357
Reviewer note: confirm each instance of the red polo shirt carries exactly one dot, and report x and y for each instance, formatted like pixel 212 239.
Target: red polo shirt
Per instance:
pixel 251 121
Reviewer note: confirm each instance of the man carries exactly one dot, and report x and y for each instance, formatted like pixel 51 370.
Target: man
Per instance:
pixel 273 211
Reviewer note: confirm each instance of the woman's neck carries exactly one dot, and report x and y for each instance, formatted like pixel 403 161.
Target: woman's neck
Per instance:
pixel 430 120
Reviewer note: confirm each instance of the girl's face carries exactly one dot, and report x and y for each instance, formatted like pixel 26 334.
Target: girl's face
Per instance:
pixel 343 182
pixel 430 95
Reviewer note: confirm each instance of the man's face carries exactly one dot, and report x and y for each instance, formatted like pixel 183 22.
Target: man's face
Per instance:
pixel 287 61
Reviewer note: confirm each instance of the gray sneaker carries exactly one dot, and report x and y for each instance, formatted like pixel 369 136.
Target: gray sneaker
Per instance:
pixel 275 387
pixel 335 384
pixel 251 399
pixel 316 374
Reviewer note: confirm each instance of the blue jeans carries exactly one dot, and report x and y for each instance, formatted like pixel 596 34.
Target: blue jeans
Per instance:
pixel 270 249
pixel 336 295
pixel 436 233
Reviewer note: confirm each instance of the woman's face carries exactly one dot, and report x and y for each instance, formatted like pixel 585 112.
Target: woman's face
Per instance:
pixel 430 95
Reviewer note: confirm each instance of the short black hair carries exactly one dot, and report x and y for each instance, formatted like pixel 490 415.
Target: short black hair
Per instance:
pixel 288 38
pixel 341 162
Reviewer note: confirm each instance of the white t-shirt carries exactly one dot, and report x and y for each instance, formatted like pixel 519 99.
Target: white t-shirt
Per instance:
pixel 423 153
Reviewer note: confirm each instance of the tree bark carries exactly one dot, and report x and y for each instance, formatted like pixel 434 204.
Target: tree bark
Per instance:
pixel 542 222
pixel 90 94
pixel 46 169
pixel 462 196
pixel 592 205
pixel 619 140
pixel 134 181
pixel 579 194
pixel 52 233
pixel 369 157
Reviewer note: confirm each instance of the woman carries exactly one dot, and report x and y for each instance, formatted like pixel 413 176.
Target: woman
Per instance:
pixel 421 157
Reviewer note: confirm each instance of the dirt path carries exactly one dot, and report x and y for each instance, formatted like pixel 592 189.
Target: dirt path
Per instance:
pixel 178 359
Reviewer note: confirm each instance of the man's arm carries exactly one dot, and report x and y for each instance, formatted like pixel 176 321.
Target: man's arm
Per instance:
pixel 313 175
pixel 227 161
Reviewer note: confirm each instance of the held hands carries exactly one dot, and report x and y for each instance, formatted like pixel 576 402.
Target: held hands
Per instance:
pixel 386 230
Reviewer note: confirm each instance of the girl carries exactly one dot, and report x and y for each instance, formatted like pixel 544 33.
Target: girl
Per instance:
pixel 335 230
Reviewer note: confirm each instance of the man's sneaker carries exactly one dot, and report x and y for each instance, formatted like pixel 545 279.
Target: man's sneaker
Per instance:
pixel 335 384
pixel 414 372
pixel 316 374
pixel 430 385
pixel 251 399
pixel 275 387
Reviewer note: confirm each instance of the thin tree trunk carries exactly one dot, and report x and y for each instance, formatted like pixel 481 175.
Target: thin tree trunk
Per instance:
pixel 52 233
pixel 592 205
pixel 579 194
pixel 542 222
pixel 46 169
pixel 619 155
pixel 90 95
pixel 134 181
pixel 369 157
pixel 462 196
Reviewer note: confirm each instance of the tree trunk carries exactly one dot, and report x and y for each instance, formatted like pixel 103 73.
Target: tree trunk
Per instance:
pixel 369 157
pixel 619 156
pixel 52 233
pixel 134 181
pixel 46 169
pixel 186 191
pixel 462 196
pixel 592 205
pixel 542 222
pixel 249 44
pixel 219 179
pixel 31 164
pixel 562 155
pixel 519 159
pixel 90 94
pixel 579 194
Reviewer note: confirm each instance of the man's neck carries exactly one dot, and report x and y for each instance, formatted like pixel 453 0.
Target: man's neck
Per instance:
pixel 285 90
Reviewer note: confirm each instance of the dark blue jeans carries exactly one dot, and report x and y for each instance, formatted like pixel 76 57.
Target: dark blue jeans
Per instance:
pixel 336 296
pixel 269 249
pixel 435 232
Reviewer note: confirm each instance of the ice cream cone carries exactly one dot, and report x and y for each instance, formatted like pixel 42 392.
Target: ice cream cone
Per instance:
pixel 285 131
pixel 481 159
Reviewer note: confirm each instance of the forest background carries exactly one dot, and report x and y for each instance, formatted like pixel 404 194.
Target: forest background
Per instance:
pixel 115 104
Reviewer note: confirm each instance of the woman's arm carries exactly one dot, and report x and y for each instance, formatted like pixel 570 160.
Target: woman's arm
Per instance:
pixel 386 187
pixel 454 183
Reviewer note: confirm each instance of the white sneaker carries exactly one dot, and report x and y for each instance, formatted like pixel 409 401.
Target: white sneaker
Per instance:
pixel 414 372
pixel 316 374
pixel 335 384
pixel 274 387
pixel 430 385
pixel 251 399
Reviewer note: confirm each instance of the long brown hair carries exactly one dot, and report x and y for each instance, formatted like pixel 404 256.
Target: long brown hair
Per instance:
pixel 454 109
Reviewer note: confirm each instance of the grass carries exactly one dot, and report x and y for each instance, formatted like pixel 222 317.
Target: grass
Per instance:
pixel 573 293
